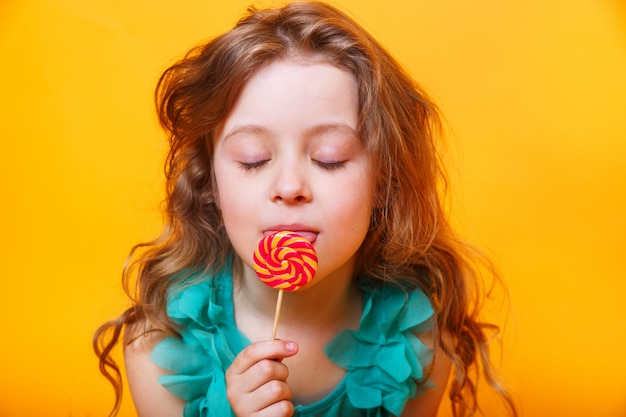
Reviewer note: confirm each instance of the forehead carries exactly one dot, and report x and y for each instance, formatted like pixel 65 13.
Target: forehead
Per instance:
pixel 299 92
pixel 302 70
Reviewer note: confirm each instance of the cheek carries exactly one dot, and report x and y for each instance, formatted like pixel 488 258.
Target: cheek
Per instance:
pixel 237 203
pixel 236 218
pixel 231 202
pixel 364 205
pixel 227 204
pixel 227 188
pixel 220 188
pixel 362 195
pixel 354 209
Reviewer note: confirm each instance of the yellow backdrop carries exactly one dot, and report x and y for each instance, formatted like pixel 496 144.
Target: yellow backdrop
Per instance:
pixel 535 96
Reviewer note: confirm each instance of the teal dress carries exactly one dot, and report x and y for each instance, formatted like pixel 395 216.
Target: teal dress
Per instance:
pixel 383 359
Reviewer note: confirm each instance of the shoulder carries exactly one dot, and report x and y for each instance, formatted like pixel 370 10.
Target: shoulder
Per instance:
pixel 438 373
pixel 149 396
pixel 409 312
pixel 387 360
pixel 189 300
pixel 142 336
pixel 409 309
pixel 182 365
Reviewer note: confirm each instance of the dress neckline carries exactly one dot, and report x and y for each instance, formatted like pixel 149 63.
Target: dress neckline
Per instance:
pixel 225 290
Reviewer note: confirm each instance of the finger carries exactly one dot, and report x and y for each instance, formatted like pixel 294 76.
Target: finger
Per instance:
pixel 257 375
pixel 263 386
pixel 279 409
pixel 270 393
pixel 254 353
pixel 267 370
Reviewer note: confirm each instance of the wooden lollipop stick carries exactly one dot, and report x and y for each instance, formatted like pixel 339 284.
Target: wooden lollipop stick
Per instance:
pixel 286 261
pixel 279 304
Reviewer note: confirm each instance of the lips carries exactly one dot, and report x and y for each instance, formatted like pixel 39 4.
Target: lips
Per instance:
pixel 305 232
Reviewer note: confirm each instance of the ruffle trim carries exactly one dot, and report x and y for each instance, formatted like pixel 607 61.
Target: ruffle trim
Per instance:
pixel 384 360
pixel 198 358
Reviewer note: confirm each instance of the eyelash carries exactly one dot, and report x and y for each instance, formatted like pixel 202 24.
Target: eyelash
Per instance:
pixel 249 166
pixel 329 166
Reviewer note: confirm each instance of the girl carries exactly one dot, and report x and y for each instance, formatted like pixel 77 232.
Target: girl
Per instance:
pixel 298 120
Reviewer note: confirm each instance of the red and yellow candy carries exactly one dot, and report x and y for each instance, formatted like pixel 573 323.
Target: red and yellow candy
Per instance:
pixel 285 261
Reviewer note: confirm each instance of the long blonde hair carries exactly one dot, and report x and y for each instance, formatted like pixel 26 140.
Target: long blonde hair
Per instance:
pixel 410 241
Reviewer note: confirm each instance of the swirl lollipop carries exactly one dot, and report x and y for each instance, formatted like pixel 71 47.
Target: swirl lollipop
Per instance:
pixel 286 261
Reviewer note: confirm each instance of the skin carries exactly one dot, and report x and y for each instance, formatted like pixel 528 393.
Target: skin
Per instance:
pixel 288 158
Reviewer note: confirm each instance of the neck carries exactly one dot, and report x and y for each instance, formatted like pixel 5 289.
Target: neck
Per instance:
pixel 328 305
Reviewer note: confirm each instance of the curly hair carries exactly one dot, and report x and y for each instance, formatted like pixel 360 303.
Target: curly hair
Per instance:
pixel 410 241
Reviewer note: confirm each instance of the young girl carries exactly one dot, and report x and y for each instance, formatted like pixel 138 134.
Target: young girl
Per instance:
pixel 298 120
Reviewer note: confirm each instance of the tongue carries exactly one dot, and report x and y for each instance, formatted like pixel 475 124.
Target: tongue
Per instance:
pixel 310 236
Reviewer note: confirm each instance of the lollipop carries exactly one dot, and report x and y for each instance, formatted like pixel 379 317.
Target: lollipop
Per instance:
pixel 286 261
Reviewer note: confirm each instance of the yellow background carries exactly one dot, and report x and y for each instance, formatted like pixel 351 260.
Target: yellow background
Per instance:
pixel 535 97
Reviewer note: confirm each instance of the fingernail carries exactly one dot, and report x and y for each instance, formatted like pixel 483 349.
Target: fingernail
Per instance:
pixel 291 346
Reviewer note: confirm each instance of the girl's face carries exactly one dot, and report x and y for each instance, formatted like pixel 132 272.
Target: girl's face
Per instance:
pixel 288 158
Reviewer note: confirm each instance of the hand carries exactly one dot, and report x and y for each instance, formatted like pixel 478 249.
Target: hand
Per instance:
pixel 256 382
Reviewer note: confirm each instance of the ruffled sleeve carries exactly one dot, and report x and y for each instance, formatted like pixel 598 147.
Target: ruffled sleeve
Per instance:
pixel 384 359
pixel 198 358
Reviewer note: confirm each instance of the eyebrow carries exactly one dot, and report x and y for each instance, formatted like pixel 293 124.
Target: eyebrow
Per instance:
pixel 257 130
pixel 331 127
pixel 312 131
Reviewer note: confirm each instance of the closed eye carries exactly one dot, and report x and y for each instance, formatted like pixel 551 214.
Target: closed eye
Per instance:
pixel 249 166
pixel 330 166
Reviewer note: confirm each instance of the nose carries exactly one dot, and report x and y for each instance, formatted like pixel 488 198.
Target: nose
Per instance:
pixel 291 184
